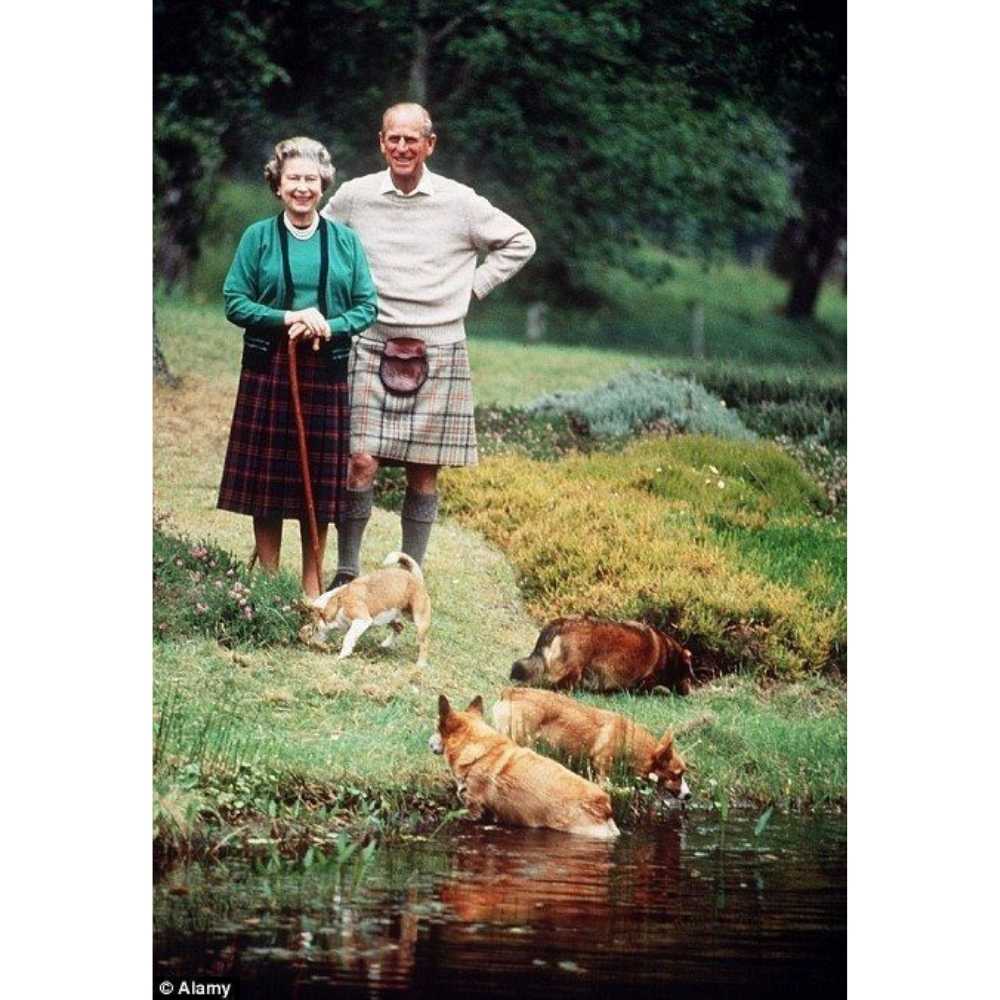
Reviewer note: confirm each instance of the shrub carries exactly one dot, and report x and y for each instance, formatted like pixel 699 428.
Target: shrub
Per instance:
pixel 802 405
pixel 629 535
pixel 744 386
pixel 199 589
pixel 640 400
pixel 800 420
pixel 514 430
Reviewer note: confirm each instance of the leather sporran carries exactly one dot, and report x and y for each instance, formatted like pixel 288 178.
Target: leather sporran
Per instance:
pixel 403 368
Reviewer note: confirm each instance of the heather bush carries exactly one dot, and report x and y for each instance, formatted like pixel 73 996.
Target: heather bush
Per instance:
pixel 641 400
pixel 641 533
pixel 746 386
pixel 803 406
pixel 199 589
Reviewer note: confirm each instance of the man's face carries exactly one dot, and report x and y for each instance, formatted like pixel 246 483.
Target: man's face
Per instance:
pixel 405 147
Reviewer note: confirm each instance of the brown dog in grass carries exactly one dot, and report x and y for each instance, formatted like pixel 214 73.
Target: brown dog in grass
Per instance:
pixel 527 714
pixel 379 598
pixel 515 784
pixel 605 656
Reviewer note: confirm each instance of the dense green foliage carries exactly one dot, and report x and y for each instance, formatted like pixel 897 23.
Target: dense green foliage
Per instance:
pixel 600 125
pixel 211 68
pixel 804 405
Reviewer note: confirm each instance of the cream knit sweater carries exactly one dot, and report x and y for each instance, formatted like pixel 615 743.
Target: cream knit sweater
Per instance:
pixel 423 250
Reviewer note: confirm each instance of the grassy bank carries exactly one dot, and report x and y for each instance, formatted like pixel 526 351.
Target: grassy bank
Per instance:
pixel 278 747
pixel 283 748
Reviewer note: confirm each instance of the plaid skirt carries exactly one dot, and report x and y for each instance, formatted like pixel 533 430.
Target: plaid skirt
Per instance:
pixel 434 426
pixel 262 475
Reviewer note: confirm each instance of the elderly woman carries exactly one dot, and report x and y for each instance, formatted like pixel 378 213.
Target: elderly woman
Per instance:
pixel 298 282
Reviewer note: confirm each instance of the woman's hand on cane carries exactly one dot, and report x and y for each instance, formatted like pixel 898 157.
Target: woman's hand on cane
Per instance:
pixel 312 318
pixel 299 329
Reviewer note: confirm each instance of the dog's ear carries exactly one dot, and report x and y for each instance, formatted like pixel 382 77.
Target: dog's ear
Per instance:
pixel 476 705
pixel 688 662
pixel 444 709
pixel 665 748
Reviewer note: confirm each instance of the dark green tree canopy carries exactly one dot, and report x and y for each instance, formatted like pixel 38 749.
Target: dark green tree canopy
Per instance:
pixel 599 123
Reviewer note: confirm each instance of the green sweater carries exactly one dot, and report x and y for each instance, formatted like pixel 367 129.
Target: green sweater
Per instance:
pixel 254 290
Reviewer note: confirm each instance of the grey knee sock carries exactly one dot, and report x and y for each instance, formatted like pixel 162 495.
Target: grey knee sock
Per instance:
pixel 419 514
pixel 350 528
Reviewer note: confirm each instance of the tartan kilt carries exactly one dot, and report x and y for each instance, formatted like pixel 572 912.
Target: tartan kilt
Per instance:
pixel 261 475
pixel 434 426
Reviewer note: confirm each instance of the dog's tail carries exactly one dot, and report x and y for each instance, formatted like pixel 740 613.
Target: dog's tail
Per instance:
pixel 404 561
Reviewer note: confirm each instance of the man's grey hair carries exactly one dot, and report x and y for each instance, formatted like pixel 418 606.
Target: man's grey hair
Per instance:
pixel 428 126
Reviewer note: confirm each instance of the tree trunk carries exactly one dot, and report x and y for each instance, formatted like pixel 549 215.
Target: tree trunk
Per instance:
pixel 802 255
pixel 418 67
pixel 417 90
pixel 161 370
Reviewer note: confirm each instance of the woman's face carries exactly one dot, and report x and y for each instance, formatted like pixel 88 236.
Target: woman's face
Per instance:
pixel 300 189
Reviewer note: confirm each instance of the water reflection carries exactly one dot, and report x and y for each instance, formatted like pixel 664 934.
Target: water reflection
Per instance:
pixel 675 909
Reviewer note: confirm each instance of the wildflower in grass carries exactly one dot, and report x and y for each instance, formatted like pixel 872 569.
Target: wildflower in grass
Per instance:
pixel 248 612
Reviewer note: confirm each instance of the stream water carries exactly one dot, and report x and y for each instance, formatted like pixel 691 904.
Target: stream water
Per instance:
pixel 684 908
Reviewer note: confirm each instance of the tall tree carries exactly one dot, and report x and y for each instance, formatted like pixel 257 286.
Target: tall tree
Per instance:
pixel 210 71
pixel 800 52
pixel 597 122
pixel 565 113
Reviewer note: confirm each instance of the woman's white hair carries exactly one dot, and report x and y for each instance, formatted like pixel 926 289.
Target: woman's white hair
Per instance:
pixel 299 147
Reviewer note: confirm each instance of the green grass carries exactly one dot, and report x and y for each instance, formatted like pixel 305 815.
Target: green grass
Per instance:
pixel 258 750
pixel 804 553
pixel 196 338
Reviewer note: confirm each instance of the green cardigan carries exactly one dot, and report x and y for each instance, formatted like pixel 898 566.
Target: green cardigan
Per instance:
pixel 254 290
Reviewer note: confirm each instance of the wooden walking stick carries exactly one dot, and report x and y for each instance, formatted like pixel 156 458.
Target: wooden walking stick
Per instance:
pixel 293 381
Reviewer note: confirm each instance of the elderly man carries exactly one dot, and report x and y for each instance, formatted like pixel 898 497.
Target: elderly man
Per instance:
pixel 411 388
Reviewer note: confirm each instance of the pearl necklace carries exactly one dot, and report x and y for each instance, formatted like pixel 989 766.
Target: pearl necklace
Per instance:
pixel 302 234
